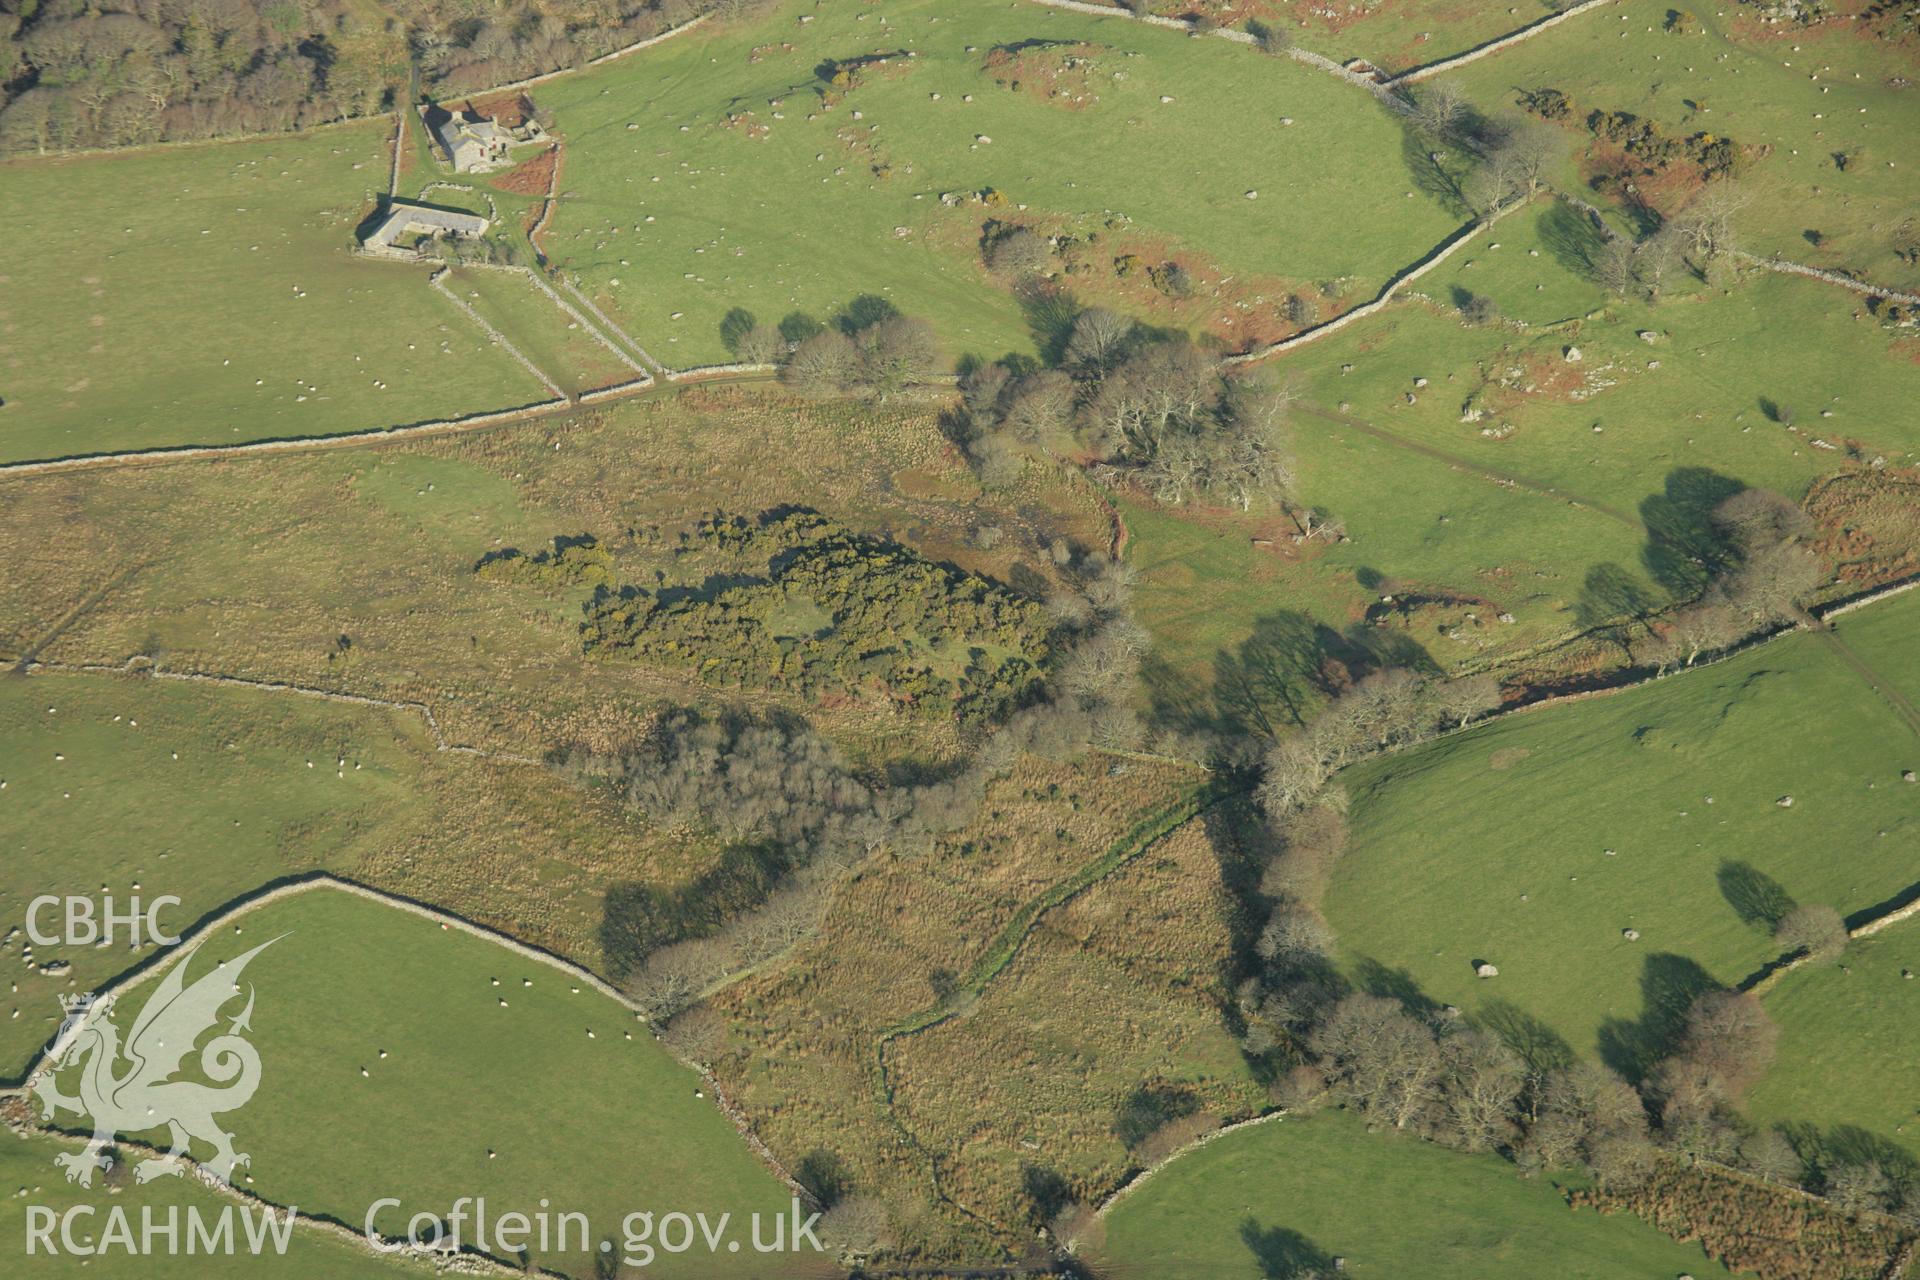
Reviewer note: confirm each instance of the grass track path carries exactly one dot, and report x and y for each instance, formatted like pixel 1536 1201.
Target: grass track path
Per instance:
pixel 1148 831
pixel 1505 478
pixel 1901 704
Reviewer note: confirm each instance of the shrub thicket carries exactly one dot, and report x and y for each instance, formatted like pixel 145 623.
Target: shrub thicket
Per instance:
pixel 834 612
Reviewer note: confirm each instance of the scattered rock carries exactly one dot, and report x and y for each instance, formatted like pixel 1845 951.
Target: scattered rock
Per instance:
pixel 1785 802
pixel 1631 935
pixel 1908 775
pixel 1485 970
pixel 1573 355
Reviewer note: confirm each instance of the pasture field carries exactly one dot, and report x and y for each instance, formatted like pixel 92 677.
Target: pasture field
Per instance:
pixel 1534 842
pixel 1883 638
pixel 1845 1063
pixel 206 295
pixel 558 345
pixel 27 1164
pixel 438 1065
pixel 1803 96
pixel 709 174
pixel 1292 1195
pixel 142 788
pixel 1723 379
pixel 1393 36
pixel 1527 509
pixel 1233 597
pixel 498 842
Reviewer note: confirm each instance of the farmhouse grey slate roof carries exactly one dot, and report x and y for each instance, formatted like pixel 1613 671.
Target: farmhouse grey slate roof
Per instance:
pixel 472 142
pixel 403 218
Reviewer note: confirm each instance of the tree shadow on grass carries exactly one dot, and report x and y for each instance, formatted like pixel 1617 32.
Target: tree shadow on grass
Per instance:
pixel 1376 979
pixel 865 311
pixel 1050 314
pixel 1280 674
pixel 1669 984
pixel 1572 238
pixel 1685 549
pixel 825 1176
pixel 1755 897
pixel 1283 1253
pixel 1825 1151
pixel 1538 1045
pixel 1149 1108
pixel 1047 1192
pixel 1614 603
pixel 1440 179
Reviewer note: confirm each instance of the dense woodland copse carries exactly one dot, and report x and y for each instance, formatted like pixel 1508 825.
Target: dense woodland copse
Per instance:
pixel 116 73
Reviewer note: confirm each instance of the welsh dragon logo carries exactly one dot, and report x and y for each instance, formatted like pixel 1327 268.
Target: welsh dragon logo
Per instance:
pixel 128 1086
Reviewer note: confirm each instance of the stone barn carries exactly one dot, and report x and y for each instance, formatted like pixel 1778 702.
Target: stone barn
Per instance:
pixel 405 219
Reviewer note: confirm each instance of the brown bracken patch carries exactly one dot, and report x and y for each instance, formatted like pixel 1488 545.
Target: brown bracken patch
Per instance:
pixel 1869 523
pixel 531 178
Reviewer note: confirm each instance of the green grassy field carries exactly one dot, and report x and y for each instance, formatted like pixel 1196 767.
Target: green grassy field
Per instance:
pixel 1556 522
pixel 1296 1194
pixel 553 340
pixel 438 1065
pixel 1848 1044
pixel 799 220
pixel 205 295
pixel 26 1164
pixel 143 788
pixel 1709 391
pixel 1801 95
pixel 1494 844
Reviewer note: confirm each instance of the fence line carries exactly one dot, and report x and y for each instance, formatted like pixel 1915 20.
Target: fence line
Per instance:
pixel 1407 275
pixel 1828 277
pixel 1496 45
pixel 438 281
pixel 613 328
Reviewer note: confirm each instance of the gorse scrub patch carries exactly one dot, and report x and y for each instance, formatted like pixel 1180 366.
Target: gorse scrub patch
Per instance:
pixel 571 562
pixel 831 612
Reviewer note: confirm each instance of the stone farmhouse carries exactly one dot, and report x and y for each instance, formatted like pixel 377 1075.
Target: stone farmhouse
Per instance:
pixel 475 144
pixel 405 219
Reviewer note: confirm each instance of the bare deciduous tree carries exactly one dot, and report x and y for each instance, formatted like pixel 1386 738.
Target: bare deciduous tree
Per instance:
pixel 1099 337
pixel 1383 1057
pixel 1019 252
pixel 1813 929
pixel 822 365
pixel 896 353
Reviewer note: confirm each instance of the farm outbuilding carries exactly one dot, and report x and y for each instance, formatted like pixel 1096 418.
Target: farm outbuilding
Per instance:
pixel 403 219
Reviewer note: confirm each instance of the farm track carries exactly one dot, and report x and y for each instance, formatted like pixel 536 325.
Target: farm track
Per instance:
pixel 84 606
pixel 355 439
pixel 1505 479
pixel 143 668
pixel 1901 704
pixel 1149 831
